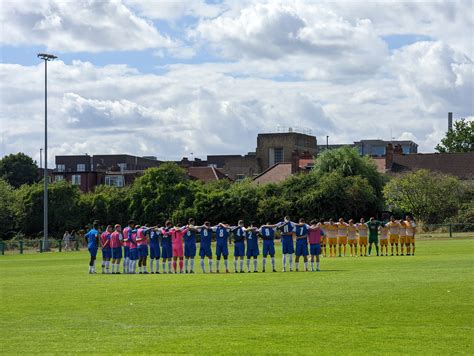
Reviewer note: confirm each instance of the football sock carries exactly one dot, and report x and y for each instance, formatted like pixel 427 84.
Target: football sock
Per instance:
pixel 163 266
pixel 235 265
pixel 180 265
pixel 203 266
pixel 255 264
pixel 248 264
pixel 226 264
pixel 284 261
pixel 210 266
pixel 264 262
pixel 191 262
pixel 312 266
pixel 297 265
pixel 370 249
pixel 317 266
pixel 217 265
pixel 306 266
pixel 291 261
pixel 241 265
pixel 273 262
pixel 151 265
pixel 186 265
pixel 377 249
pixel 174 266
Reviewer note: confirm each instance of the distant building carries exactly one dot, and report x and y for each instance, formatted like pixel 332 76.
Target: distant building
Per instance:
pixel 89 171
pixel 460 164
pixel 375 148
pixel 206 174
pixel 272 148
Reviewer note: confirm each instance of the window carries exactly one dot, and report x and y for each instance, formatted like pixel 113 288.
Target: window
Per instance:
pixel 406 149
pixel 76 179
pixel 114 181
pixel 58 178
pixel 81 167
pixel 278 155
pixel 123 167
pixel 378 150
pixel 212 165
pixel 61 167
pixel 239 177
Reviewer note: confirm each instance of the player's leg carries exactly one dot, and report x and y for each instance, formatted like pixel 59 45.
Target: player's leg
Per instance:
pixel 186 264
pixel 175 264
pixel 181 258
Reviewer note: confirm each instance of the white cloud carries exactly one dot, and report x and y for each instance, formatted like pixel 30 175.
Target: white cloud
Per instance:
pixel 438 77
pixel 75 26
pixel 305 36
pixel 175 9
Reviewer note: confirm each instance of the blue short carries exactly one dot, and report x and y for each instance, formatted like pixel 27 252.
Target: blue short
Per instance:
pixel 155 251
pixel 106 253
pixel 116 253
pixel 166 251
pixel 315 249
pixel 205 251
pixel 287 244
pixel 239 249
pixel 133 254
pixel 143 251
pixel 190 249
pixel 252 251
pixel 302 247
pixel 126 251
pixel 268 248
pixel 222 249
pixel 93 251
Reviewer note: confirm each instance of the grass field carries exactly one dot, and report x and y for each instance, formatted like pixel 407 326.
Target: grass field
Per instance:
pixel 421 304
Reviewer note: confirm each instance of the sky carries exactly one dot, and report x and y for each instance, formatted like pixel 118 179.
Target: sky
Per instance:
pixel 176 79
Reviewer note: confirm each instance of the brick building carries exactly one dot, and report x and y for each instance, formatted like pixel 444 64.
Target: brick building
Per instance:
pixel 89 171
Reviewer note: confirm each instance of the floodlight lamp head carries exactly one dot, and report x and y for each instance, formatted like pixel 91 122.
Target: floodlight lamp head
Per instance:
pixel 46 56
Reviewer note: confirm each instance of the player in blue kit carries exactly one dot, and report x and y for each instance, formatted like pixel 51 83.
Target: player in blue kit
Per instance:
pixel 252 247
pixel 190 246
pixel 268 234
pixel 239 245
pixel 287 228
pixel 166 247
pixel 155 253
pixel 92 238
pixel 205 250
pixel 222 235
pixel 301 231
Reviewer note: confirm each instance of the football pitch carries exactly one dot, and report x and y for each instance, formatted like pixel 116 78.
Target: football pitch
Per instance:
pixel 421 304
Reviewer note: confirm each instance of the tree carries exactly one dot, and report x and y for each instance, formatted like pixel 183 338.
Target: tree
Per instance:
pixel 429 196
pixel 159 192
pixel 347 161
pixel 18 169
pixel 7 212
pixel 64 208
pixel 459 139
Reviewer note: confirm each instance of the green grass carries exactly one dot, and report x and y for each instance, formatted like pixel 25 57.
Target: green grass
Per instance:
pixel 421 304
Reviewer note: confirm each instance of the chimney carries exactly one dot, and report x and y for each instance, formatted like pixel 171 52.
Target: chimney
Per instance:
pixel 398 150
pixel 388 157
pixel 450 121
pixel 295 161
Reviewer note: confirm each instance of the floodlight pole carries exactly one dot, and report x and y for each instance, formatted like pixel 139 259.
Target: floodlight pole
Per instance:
pixel 46 57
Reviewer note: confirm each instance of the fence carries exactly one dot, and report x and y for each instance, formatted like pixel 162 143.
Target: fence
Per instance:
pixel 36 245
pixel 429 231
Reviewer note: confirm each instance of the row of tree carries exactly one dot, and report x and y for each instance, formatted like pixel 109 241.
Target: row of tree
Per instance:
pixel 342 184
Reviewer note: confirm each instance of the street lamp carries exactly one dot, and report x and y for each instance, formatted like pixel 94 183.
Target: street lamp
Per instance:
pixel 46 57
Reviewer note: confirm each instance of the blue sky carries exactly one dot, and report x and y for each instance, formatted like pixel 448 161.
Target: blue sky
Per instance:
pixel 167 78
